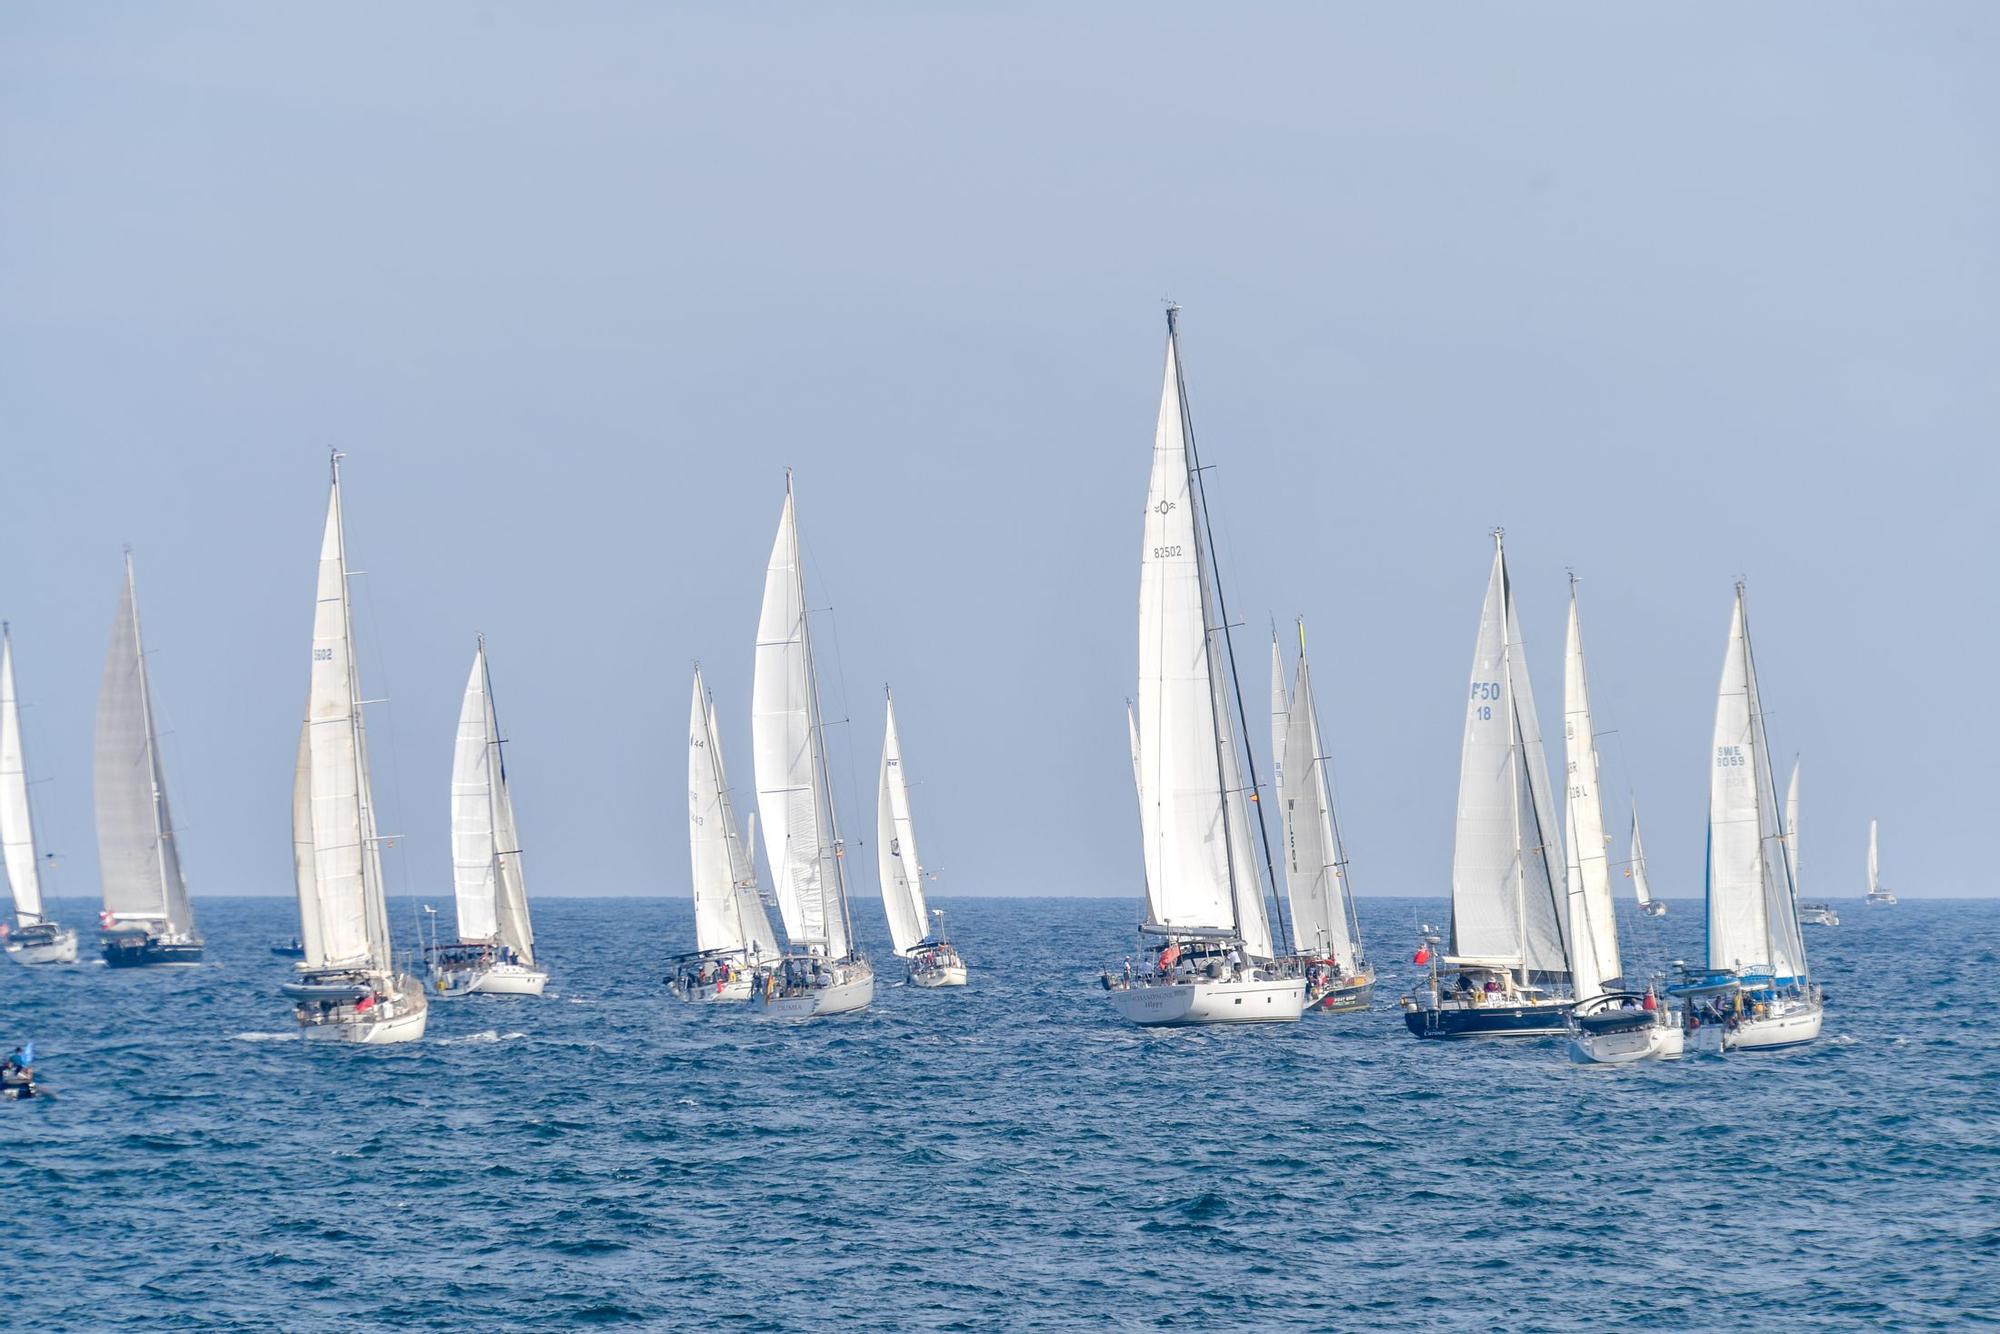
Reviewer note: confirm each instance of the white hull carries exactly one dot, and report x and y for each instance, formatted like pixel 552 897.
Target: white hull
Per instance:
pixel 737 988
pixel 502 979
pixel 400 1019
pixel 1272 1001
pixel 1662 1042
pixel 60 950
pixel 855 993
pixel 950 975
pixel 1788 1028
pixel 1881 900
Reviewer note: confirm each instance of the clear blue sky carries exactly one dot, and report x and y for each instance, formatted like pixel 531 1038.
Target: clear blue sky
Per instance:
pixel 1673 295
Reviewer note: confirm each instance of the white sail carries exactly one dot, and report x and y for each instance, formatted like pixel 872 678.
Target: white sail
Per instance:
pixel 1752 919
pixel 303 872
pixel 137 853
pixel 1200 873
pixel 1874 876
pixel 517 930
pixel 1506 895
pixel 348 924
pixel 728 918
pixel 1281 719
pixel 896 862
pixel 17 826
pixel 474 868
pixel 1315 866
pixel 1593 945
pixel 1792 824
pixel 785 736
pixel 1640 888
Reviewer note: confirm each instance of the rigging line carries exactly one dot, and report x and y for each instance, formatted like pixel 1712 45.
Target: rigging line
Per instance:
pixel 1222 611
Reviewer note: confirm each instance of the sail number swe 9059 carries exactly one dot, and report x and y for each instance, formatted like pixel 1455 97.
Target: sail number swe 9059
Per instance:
pixel 1730 757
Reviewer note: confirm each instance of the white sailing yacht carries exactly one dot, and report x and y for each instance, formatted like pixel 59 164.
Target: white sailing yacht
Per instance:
pixel 1755 947
pixel 34 936
pixel 1810 914
pixel 933 960
pixel 732 935
pixel 823 972
pixel 347 988
pixel 1878 895
pixel 1612 1023
pixel 147 919
pixel 495 953
pixel 1506 968
pixel 1641 889
pixel 1339 978
pixel 1216 961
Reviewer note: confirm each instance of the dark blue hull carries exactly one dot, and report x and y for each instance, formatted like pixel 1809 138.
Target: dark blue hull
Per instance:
pixel 129 951
pixel 1489 1021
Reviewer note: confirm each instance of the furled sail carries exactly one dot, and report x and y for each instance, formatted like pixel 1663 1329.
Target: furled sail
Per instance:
pixel 1201 873
pixel 137 853
pixel 1315 864
pixel 1593 944
pixel 785 736
pixel 1752 917
pixel 348 926
pixel 727 915
pixel 17 826
pixel 896 848
pixel 1506 894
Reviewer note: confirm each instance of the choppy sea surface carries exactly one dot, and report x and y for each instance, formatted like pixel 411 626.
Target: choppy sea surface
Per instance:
pixel 1012 1155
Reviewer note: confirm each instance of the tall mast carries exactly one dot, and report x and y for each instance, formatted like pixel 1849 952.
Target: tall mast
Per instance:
pixel 821 774
pixel 152 741
pixel 1212 575
pixel 1760 738
pixel 1339 868
pixel 364 796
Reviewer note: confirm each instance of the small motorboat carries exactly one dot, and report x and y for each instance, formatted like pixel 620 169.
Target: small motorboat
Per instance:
pixel 1818 914
pixel 295 950
pixel 17 1074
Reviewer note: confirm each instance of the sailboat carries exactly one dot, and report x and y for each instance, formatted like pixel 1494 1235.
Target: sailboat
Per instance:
pixel 933 960
pixel 1810 914
pixel 1339 979
pixel 1641 889
pixel 822 971
pixel 1612 1024
pixel 1216 961
pixel 1758 981
pixel 346 988
pixel 1507 958
pixel 34 936
pixel 495 953
pixel 147 919
pixel 1878 896
pixel 732 935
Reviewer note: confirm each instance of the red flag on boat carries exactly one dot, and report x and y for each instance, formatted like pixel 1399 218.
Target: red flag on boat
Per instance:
pixel 1423 954
pixel 365 1004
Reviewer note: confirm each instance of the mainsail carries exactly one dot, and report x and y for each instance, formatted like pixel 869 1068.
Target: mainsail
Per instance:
pixel 1792 824
pixel 1315 863
pixel 17 825
pixel 1753 924
pixel 343 920
pixel 1640 888
pixel 486 857
pixel 728 918
pixel 896 848
pixel 792 799
pixel 1201 874
pixel 1593 943
pixel 1874 866
pixel 1506 893
pixel 137 853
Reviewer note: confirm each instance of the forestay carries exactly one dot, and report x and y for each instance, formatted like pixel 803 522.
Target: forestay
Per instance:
pixel 1594 960
pixel 138 857
pixel 785 741
pixel 901 874
pixel 17 828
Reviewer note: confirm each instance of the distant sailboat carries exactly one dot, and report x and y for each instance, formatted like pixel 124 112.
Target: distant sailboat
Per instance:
pixel 495 953
pixel 1217 962
pixel 1878 895
pixel 347 987
pixel 732 935
pixel 1641 889
pixel 1755 948
pixel 1810 914
pixel 823 973
pixel 1612 1023
pixel 34 936
pixel 1339 978
pixel 147 919
pixel 933 960
pixel 1507 967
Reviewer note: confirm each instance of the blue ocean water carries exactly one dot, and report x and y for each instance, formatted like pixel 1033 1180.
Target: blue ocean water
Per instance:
pixel 1011 1155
